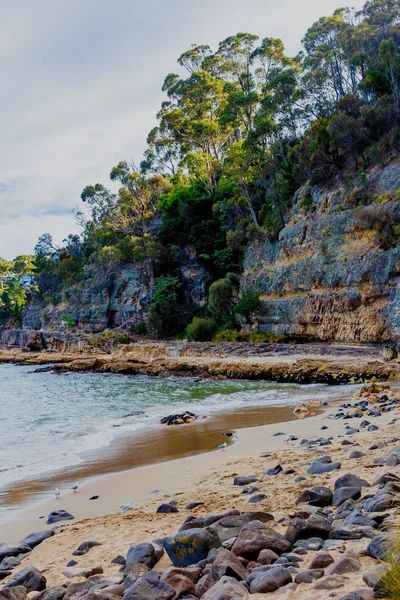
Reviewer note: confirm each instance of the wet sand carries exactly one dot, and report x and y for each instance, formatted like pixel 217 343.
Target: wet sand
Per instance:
pixel 152 482
pixel 128 451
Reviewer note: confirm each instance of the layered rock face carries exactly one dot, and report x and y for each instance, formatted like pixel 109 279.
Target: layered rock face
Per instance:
pixel 326 277
pixel 112 301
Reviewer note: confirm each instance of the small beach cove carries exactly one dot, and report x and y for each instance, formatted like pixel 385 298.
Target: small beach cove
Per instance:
pixel 127 443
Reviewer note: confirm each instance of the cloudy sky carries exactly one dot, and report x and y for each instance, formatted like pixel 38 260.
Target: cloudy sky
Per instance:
pixel 81 87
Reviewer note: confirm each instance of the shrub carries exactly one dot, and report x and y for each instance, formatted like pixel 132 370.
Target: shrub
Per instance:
pixel 140 328
pixel 165 315
pixel 201 330
pixel 220 300
pixel 307 203
pixel 226 335
pixel 382 220
pixel 247 304
pixel 68 321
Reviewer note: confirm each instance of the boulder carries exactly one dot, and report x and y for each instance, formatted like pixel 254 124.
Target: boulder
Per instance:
pixel 345 493
pixel 166 508
pixel 14 593
pixel 9 563
pixel 267 557
pixel 30 578
pixel 84 548
pixel 6 551
pixel 257 498
pixel 182 585
pixel 270 581
pixel 317 468
pixel 350 480
pixel 34 539
pixel 274 470
pixel 144 553
pixel 256 536
pixel 146 588
pixel 316 496
pixel 330 582
pixel 59 515
pixel 379 503
pixel 56 592
pixel 226 587
pixel 380 545
pixel 191 546
pixel 302 529
pixel 308 576
pixel 97 570
pixel 321 561
pixel 372 575
pixel 348 563
pixel 244 479
pixel 210 519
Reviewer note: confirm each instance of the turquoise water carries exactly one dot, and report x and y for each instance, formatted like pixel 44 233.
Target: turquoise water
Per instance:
pixel 49 420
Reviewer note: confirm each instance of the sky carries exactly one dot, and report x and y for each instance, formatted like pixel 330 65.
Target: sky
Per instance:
pixel 82 87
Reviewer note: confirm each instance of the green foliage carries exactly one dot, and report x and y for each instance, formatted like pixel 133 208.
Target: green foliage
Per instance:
pixel 13 300
pixel 68 321
pixel 247 304
pixel 201 330
pixel 140 328
pixel 165 314
pixel 221 297
pixel 238 133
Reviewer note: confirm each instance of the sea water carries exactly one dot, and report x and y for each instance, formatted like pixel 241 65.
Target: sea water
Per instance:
pixel 48 420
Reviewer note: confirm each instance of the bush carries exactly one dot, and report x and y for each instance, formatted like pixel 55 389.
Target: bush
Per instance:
pixel 382 220
pixel 248 303
pixel 68 321
pixel 140 328
pixel 201 330
pixel 165 315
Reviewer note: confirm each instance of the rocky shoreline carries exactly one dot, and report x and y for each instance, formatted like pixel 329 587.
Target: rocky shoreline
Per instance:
pixel 325 527
pixel 284 363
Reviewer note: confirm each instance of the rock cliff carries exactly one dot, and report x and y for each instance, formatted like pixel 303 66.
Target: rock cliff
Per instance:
pixel 327 277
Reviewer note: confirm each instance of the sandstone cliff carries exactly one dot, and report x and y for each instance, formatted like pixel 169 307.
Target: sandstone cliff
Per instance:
pixel 326 277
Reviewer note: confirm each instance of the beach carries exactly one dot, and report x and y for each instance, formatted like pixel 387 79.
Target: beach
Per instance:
pixel 206 478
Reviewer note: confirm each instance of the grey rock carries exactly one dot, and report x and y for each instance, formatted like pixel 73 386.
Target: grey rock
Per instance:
pixel 244 480
pixel 256 536
pixel 267 557
pixel 56 592
pixel 210 519
pixel 34 539
pixel 166 508
pixel 321 561
pixel 315 525
pixel 14 593
pixel 148 589
pixel 143 553
pixel 191 546
pixel 317 468
pixel 30 578
pixel 9 563
pixel 350 480
pixel 249 489
pixel 345 493
pixel 226 587
pixel 356 454
pixel 316 496
pixel 372 575
pixel 193 505
pixel 274 470
pixel 59 515
pixel 309 576
pixel 6 551
pixel 378 503
pixel 119 560
pixel 96 570
pixel 348 563
pixel 380 545
pixel 84 548
pixel 330 582
pixel 258 498
pixel 270 581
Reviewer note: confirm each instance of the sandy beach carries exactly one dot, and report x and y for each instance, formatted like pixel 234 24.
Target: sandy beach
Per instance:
pixel 206 478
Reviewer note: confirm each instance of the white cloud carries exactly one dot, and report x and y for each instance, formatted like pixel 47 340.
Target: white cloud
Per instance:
pixel 81 88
